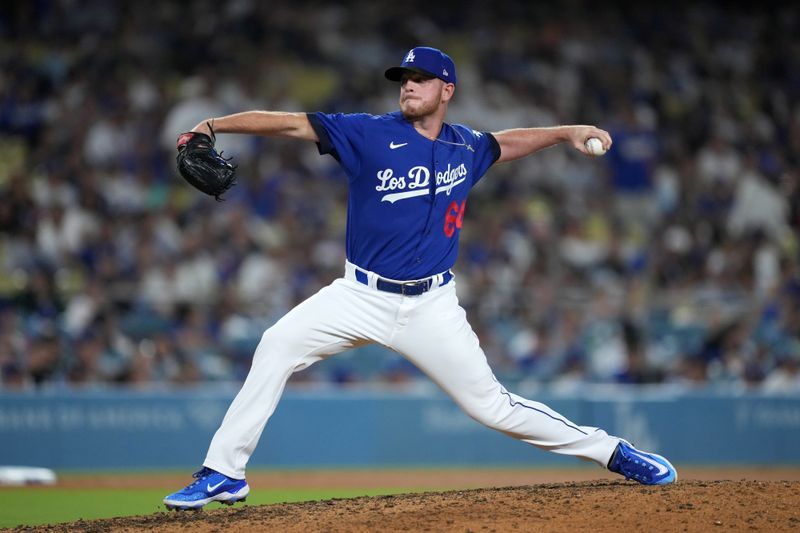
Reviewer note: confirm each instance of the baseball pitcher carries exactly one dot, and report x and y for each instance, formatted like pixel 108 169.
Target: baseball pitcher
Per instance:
pixel 409 173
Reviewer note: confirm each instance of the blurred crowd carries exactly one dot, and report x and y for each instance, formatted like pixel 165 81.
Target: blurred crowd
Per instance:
pixel 673 259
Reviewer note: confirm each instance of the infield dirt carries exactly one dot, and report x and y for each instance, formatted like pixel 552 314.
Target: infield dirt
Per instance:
pixel 602 505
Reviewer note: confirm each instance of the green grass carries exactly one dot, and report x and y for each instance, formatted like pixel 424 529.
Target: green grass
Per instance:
pixel 30 506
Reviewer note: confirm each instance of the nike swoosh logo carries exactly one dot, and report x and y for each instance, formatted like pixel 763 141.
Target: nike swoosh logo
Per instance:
pixel 394 146
pixel 212 488
pixel 662 469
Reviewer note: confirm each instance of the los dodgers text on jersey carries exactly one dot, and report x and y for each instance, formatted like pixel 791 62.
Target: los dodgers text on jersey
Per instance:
pixel 402 185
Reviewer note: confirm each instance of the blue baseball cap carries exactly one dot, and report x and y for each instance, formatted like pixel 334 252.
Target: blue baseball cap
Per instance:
pixel 425 60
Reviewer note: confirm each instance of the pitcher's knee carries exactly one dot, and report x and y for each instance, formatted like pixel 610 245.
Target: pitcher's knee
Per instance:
pixel 490 414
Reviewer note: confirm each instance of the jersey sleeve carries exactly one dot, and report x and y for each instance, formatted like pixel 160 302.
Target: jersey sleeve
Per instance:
pixel 487 151
pixel 342 136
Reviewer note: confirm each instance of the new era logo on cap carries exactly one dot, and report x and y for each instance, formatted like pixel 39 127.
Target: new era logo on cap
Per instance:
pixel 425 60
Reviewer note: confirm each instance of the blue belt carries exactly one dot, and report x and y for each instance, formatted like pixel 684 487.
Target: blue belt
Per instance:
pixel 410 288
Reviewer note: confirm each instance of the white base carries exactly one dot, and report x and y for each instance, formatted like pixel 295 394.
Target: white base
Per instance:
pixel 26 475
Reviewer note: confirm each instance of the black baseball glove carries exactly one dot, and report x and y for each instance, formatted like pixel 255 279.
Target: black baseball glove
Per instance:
pixel 201 165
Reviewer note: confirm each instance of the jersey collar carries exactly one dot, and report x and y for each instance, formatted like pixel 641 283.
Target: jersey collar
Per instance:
pixel 445 134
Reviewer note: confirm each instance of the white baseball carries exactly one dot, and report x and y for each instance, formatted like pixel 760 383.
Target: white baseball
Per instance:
pixel 594 146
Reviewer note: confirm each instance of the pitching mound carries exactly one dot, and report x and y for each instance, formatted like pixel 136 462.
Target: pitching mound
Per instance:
pixel 569 507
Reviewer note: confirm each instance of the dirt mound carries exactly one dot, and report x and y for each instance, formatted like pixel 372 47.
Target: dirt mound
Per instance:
pixel 595 505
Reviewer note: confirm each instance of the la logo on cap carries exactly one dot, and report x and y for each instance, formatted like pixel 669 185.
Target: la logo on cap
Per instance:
pixel 426 61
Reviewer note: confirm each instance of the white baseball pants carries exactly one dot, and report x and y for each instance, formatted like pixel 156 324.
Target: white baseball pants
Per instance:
pixel 430 330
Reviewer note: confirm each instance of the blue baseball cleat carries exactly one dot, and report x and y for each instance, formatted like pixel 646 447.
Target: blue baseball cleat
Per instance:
pixel 209 486
pixel 646 468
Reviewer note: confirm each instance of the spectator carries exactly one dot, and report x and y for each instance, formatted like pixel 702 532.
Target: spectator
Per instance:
pixel 689 223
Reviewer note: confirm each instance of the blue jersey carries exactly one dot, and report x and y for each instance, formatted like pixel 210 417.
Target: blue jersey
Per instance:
pixel 407 194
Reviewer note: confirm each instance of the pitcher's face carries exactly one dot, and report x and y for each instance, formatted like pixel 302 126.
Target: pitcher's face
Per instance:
pixel 422 95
